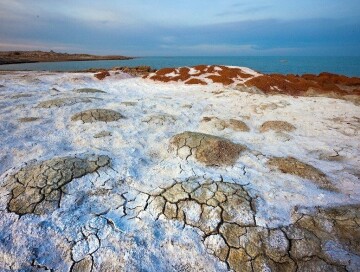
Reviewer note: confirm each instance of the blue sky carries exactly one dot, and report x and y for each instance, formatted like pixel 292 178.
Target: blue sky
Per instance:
pixel 183 28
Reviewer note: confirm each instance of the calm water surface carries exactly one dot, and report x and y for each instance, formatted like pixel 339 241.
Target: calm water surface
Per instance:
pixel 349 66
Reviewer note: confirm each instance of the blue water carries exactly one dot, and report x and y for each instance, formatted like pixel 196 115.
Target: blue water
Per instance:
pixel 349 66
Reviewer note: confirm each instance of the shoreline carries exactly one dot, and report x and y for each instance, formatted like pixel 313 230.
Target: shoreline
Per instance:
pixel 22 57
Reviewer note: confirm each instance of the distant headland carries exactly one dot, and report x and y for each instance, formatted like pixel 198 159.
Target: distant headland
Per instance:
pixel 13 57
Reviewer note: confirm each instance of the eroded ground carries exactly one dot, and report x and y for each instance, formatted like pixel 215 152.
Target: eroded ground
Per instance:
pixel 127 174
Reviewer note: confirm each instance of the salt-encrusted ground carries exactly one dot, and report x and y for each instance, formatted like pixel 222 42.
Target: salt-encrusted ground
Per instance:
pixel 141 196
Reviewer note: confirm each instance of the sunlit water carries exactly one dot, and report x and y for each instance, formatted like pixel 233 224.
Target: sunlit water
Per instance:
pixel 349 66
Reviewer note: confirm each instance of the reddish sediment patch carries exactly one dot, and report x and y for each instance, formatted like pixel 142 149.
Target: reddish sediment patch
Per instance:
pixel 322 84
pixel 217 74
pixel 195 81
pixel 101 75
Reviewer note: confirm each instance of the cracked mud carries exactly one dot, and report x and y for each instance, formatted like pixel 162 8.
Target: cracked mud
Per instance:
pixel 38 189
pixel 28 119
pixel 295 167
pixel 225 214
pixel 221 124
pixel 61 102
pixel 207 149
pixel 89 90
pixel 277 126
pixel 97 115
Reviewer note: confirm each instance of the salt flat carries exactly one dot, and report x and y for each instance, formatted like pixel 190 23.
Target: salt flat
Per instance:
pixel 174 177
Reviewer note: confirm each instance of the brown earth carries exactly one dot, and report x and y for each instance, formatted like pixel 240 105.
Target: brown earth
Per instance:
pixel 102 75
pixel 195 81
pixel 11 57
pixel 218 74
pixel 322 84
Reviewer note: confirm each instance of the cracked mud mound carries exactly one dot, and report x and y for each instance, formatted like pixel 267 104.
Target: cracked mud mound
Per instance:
pixel 225 215
pixel 102 134
pixel 38 189
pixel 278 126
pixel 28 119
pixel 222 124
pixel 207 149
pixel 160 119
pixel 294 167
pixel 89 90
pixel 17 96
pixel 60 102
pixel 97 115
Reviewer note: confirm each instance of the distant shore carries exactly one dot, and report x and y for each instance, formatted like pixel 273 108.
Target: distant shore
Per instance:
pixel 17 57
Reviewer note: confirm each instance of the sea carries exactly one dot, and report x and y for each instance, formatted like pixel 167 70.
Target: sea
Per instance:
pixel 349 66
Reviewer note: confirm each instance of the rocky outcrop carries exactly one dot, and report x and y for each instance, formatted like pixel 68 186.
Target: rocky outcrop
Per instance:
pixel 97 115
pixel 207 149
pixel 38 189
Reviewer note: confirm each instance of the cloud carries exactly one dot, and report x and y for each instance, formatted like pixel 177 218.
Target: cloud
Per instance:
pixel 110 32
pixel 246 10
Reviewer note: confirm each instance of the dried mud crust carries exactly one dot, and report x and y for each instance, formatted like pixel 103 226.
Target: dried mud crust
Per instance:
pixel 22 95
pixel 97 115
pixel 225 215
pixel 160 119
pixel 295 167
pixel 60 102
pixel 222 124
pixel 278 126
pixel 38 189
pixel 102 134
pixel 89 90
pixel 28 119
pixel 207 149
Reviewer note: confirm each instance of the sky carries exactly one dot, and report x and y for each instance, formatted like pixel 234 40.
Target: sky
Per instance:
pixel 183 28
